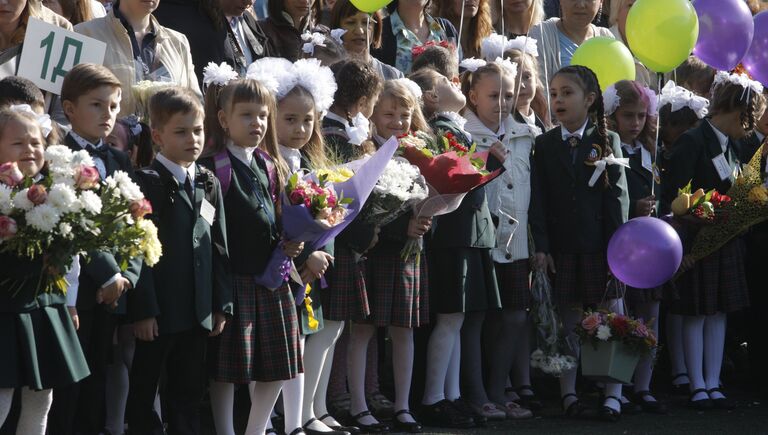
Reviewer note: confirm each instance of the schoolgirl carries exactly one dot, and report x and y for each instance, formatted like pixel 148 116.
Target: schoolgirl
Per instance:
pixel 631 112
pixel 397 286
pixel 679 111
pixel 574 211
pixel 41 348
pixel 260 346
pixel 715 285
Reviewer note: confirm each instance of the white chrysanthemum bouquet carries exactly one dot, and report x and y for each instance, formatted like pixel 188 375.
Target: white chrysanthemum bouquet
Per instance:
pixel 70 211
pixel 398 188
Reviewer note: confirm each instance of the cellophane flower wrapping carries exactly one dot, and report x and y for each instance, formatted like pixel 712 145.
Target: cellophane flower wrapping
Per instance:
pixel 305 217
pixel 548 356
pixel 748 206
pixel 398 188
pixel 70 211
pixel 451 171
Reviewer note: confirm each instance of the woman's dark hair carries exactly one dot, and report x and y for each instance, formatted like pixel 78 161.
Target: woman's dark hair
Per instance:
pixel 344 8
pixel 479 27
pixel 275 8
pixel 587 81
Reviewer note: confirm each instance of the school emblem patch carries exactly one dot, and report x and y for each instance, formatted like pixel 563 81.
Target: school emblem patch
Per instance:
pixel 594 155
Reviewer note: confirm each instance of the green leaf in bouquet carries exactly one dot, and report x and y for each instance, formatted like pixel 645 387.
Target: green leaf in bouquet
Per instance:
pixel 685 189
pixel 293 180
pixel 472 149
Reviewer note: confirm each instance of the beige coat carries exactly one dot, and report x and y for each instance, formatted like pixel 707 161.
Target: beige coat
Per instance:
pixel 172 51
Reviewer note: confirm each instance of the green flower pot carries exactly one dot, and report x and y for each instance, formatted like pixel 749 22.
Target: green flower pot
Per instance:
pixel 609 361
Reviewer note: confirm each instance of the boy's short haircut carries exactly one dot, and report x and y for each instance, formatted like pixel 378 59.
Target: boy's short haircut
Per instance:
pixel 18 90
pixel 84 78
pixel 170 101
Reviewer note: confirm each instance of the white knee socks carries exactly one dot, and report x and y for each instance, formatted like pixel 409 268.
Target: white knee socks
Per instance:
pixel 402 365
pixel 571 316
pixel 693 345
pixel 644 371
pixel 360 336
pixel 444 347
pixel 34 411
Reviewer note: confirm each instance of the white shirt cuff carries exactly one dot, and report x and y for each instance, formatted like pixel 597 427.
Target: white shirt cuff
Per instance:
pixel 111 280
pixel 73 281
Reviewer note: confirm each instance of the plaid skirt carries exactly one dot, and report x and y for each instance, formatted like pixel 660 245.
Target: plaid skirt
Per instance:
pixel 398 289
pixel 643 295
pixel 581 279
pixel 716 283
pixel 261 341
pixel 514 284
pixel 346 297
pixel 463 279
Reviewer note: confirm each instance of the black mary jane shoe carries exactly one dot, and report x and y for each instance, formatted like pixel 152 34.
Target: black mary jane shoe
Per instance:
pixel 723 402
pixel 702 404
pixel 353 430
pixel 529 401
pixel 575 409
pixel 408 427
pixel 298 431
pixel 444 414
pixel 270 430
pixel 679 389
pixel 609 414
pixel 378 427
pixel 310 431
pixel 650 406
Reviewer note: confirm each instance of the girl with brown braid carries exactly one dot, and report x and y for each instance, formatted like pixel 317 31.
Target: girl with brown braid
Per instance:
pixel 571 221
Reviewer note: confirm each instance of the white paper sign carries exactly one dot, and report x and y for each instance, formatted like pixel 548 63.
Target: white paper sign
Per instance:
pixel 722 166
pixel 50 52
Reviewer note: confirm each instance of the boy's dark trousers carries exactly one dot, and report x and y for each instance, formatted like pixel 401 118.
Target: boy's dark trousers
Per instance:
pixel 180 359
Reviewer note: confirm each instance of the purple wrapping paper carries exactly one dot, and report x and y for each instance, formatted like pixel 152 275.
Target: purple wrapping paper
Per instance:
pixel 299 225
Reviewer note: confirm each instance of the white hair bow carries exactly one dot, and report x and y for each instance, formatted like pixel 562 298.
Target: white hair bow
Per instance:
pixel 44 120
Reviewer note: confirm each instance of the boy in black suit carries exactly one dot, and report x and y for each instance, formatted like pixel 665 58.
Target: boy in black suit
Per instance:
pixel 91 100
pixel 184 298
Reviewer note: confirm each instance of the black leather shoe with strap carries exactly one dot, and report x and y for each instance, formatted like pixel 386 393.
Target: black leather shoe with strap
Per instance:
pixel 701 404
pixel 609 414
pixel 406 426
pixel 377 427
pixel 722 402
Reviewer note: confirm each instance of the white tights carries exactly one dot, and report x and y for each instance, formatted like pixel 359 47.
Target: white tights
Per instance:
pixel 34 410
pixel 318 357
pixel 442 380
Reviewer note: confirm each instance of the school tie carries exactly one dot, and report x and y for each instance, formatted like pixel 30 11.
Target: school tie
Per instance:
pixel 188 189
pixel 573 144
pixel 99 153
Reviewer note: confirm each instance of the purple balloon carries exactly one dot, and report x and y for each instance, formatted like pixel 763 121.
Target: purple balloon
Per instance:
pixel 645 252
pixel 725 32
pixel 756 60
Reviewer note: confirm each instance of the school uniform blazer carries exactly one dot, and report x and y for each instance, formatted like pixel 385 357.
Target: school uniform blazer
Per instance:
pixel 470 225
pixel 192 279
pixel 566 215
pixel 749 146
pixel 691 160
pixel 639 181
pixel 101 266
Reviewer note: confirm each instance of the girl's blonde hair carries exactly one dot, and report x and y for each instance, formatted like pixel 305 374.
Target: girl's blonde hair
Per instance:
pixel 244 91
pixel 7 116
pixel 314 150
pixel 470 79
pixel 404 97
pixel 528 62
pixel 630 92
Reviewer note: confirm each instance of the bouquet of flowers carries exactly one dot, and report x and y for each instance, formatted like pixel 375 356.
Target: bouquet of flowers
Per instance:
pixel 747 206
pixel 69 212
pixel 604 326
pixel 142 92
pixel 451 169
pixel 705 207
pixel 316 209
pixel 547 356
pixel 399 186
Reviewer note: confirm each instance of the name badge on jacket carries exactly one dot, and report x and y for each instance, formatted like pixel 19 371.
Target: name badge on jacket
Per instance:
pixel 207 211
pixel 722 167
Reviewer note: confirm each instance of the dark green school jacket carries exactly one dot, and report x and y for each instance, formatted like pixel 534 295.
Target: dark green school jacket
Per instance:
pixel 192 279
pixel 101 266
pixel 691 160
pixel 19 292
pixel 469 226
pixel 566 215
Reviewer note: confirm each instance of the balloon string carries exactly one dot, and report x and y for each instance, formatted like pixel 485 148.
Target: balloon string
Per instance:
pixel 522 63
pixel 461 26
pixel 502 17
pixel 655 167
pixel 367 32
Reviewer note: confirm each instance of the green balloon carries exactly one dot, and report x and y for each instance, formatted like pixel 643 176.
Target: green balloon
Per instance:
pixel 610 60
pixel 662 33
pixel 370 6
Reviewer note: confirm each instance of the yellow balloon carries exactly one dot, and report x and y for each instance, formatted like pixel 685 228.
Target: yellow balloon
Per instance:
pixel 610 60
pixel 662 33
pixel 370 6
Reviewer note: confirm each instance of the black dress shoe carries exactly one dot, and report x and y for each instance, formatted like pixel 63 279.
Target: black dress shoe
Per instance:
pixel 650 406
pixel 528 401
pixel 680 389
pixel 723 402
pixel 403 426
pixel 702 404
pixel 353 430
pixel 575 409
pixel 609 414
pixel 445 414
pixel 463 407
pixel 297 431
pixel 310 431
pixel 369 428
